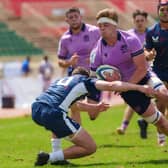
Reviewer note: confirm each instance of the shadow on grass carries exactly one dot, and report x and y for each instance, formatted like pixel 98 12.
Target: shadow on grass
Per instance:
pixel 89 165
pixel 115 146
pixel 160 161
pixel 120 146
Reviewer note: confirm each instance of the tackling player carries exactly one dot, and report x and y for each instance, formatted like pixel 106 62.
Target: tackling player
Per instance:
pixel 50 110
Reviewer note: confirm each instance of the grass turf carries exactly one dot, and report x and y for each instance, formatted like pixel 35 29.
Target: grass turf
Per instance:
pixel 21 140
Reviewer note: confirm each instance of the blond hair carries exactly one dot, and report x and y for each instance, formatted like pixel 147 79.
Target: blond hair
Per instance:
pixel 109 13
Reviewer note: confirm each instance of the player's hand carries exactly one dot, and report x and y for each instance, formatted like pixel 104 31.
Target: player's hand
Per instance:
pixel 102 106
pixel 149 91
pixel 74 59
pixel 150 55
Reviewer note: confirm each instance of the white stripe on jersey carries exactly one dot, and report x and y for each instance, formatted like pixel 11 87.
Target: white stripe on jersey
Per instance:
pixel 75 93
pixel 68 123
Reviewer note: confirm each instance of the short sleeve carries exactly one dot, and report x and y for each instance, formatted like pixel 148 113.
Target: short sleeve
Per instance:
pixel 62 52
pixel 95 57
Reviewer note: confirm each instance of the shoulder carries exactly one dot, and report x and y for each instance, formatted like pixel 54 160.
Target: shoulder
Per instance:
pixel 66 36
pixel 131 31
pixel 128 36
pixel 90 27
pixel 153 28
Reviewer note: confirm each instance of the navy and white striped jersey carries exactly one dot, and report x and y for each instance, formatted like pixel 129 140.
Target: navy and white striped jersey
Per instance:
pixel 65 91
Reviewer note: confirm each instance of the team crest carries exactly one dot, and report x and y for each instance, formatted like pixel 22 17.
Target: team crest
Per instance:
pixel 105 55
pixel 124 48
pixel 86 38
pixel 155 39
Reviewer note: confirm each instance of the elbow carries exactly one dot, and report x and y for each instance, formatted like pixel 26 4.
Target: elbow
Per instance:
pixel 62 64
pixel 92 118
pixel 93 115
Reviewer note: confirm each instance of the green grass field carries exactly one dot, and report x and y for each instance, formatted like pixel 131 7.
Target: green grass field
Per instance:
pixel 21 140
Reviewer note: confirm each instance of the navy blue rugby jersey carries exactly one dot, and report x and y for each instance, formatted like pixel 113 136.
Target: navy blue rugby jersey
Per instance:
pixel 157 38
pixel 65 91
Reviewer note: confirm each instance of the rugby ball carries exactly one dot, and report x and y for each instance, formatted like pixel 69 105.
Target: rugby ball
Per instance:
pixel 102 71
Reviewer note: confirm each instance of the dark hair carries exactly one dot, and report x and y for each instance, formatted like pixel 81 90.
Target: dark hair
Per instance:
pixel 81 71
pixel 73 9
pixel 139 12
pixel 45 58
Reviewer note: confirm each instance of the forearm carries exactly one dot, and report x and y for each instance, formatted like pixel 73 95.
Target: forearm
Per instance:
pixel 92 110
pixel 85 106
pixel 117 86
pixel 64 63
pixel 124 86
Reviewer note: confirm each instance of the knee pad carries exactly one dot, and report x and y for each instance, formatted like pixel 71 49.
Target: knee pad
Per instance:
pixel 154 118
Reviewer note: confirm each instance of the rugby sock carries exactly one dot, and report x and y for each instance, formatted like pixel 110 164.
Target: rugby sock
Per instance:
pixel 161 138
pixel 55 144
pixel 55 156
pixel 125 124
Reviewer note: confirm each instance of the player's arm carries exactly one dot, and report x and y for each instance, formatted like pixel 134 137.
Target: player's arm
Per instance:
pixel 141 68
pixel 93 108
pixel 119 86
pixel 69 62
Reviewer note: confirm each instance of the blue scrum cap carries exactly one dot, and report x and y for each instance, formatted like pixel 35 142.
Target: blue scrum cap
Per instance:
pixel 162 2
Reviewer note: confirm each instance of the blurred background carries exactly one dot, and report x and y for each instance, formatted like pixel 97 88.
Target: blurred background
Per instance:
pixel 31 29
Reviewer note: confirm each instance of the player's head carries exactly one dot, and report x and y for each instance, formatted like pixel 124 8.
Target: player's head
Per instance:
pixel 162 3
pixel 107 20
pixel 45 58
pixel 140 19
pixel 163 11
pixel 81 71
pixel 73 18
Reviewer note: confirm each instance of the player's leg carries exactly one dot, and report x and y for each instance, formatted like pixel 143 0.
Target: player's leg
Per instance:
pixel 143 125
pixel 83 145
pixel 56 142
pixel 128 113
pixel 144 107
pixel 154 116
pixel 161 105
pixel 63 126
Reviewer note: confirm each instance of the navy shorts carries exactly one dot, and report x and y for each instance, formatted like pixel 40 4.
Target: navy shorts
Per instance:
pixel 161 73
pixel 54 120
pixel 137 100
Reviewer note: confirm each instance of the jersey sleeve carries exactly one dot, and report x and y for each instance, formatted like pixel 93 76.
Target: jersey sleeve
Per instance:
pixel 93 93
pixel 135 46
pixel 62 52
pixel 95 57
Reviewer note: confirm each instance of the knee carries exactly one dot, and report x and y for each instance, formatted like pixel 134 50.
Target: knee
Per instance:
pixel 91 148
pixel 154 118
pixel 162 122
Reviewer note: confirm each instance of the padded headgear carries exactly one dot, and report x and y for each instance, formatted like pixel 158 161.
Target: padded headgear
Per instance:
pixel 162 3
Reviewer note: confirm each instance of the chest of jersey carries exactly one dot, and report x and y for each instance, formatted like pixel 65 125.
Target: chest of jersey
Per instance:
pixel 116 55
pixel 81 44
